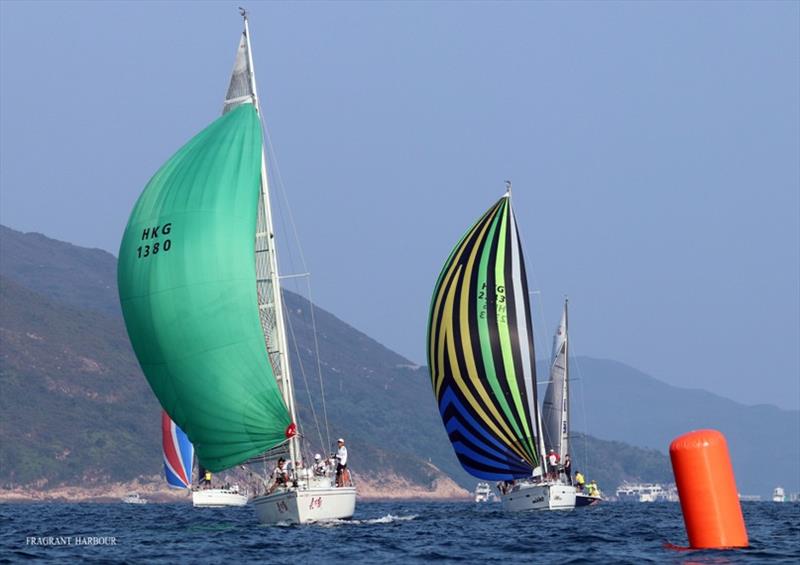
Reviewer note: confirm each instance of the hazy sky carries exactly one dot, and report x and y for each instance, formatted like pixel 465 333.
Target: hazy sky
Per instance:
pixel 653 149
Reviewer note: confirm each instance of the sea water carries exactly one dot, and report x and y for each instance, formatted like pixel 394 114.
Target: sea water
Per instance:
pixel 396 532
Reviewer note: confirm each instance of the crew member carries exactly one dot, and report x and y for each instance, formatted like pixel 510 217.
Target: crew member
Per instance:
pixel 568 468
pixel 320 467
pixel 552 461
pixel 280 476
pixel 579 481
pixel 342 474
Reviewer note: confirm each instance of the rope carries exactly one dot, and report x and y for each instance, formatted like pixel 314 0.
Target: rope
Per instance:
pixel 319 362
pixel 303 372
pixel 292 223
pixel 583 407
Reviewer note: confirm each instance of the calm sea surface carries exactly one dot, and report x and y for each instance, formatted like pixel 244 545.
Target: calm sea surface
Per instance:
pixel 412 532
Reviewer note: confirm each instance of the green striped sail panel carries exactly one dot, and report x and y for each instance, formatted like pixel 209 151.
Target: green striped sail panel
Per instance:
pixel 480 350
pixel 187 284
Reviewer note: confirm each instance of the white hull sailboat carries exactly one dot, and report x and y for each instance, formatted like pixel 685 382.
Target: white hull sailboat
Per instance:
pixel 308 500
pixel 133 498
pixel 201 296
pixel 542 496
pixel 482 362
pixel 306 505
pixel 556 413
pixel 483 493
pixel 178 454
pixel 483 369
pixel 218 497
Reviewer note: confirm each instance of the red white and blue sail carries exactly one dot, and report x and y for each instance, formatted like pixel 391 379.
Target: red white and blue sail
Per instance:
pixel 178 454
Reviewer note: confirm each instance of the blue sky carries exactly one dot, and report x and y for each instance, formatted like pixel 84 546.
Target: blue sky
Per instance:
pixel 653 149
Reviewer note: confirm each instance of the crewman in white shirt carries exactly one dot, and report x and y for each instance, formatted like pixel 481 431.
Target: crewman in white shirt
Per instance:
pixel 342 475
pixel 320 467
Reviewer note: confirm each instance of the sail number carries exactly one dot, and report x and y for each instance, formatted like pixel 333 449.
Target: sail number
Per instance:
pixel 154 247
pixel 498 298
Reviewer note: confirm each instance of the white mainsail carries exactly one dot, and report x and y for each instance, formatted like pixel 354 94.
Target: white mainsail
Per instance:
pixel 555 407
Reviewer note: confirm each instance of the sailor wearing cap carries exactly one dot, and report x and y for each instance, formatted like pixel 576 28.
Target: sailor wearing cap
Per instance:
pixel 320 467
pixel 341 463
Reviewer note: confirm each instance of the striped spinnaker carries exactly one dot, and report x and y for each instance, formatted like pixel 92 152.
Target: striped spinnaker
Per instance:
pixel 178 454
pixel 480 350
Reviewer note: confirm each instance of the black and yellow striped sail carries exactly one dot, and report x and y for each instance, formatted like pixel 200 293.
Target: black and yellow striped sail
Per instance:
pixel 480 350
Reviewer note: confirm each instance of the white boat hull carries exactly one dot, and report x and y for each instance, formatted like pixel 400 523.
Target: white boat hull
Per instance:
pixel 295 506
pixel 217 497
pixel 546 496
pixel 134 498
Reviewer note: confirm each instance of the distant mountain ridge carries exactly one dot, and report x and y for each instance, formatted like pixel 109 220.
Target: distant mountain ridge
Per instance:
pixel 66 273
pixel 628 405
pixel 75 406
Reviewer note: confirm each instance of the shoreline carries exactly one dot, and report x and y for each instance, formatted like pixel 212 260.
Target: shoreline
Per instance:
pixel 379 489
pixel 109 500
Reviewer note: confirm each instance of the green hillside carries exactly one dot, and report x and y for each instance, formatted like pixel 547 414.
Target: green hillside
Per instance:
pixel 73 407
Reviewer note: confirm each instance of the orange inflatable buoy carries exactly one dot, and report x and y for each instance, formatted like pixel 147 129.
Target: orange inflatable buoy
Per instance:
pixel 707 489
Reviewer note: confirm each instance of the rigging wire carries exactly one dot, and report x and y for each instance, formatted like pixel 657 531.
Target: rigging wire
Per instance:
pixel 319 363
pixel 302 371
pixel 583 408
pixel 280 189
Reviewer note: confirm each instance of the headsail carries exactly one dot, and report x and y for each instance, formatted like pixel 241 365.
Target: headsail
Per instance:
pixel 187 284
pixel 480 350
pixel 555 408
pixel 178 454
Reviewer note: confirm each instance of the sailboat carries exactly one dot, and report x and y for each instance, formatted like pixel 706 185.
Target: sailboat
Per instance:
pixel 556 408
pixel 178 454
pixel 482 364
pixel 201 296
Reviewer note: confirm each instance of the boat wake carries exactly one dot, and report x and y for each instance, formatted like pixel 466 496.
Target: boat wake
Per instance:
pixel 388 519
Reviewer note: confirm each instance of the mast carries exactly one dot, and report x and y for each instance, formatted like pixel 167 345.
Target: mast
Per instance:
pixel 284 375
pixel 565 430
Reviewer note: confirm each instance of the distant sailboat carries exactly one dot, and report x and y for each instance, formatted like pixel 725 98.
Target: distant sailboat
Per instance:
pixel 556 407
pixel 482 363
pixel 133 498
pixel 178 461
pixel 200 292
pixel 483 493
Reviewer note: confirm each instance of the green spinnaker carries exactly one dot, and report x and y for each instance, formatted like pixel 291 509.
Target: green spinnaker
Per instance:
pixel 187 284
